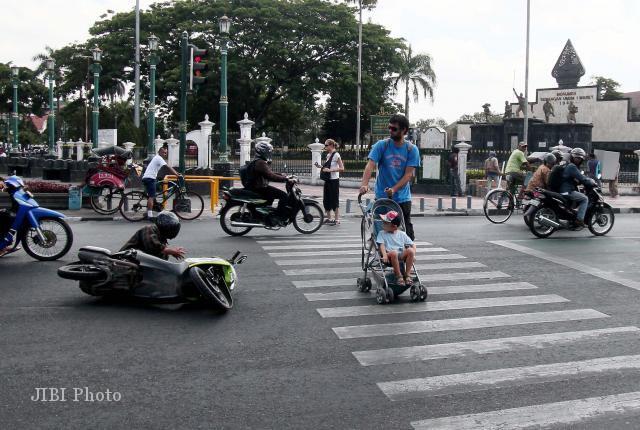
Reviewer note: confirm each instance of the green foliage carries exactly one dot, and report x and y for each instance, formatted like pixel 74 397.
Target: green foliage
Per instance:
pixel 475 174
pixel 607 88
pixel 422 124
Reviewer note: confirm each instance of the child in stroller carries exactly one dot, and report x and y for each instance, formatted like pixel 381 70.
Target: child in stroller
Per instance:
pixel 396 246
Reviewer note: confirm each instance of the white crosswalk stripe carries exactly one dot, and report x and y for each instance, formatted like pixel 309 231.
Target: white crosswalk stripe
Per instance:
pixel 314 240
pixel 356 245
pixel 332 261
pixel 487 346
pixel 392 329
pixel 287 239
pixel 507 377
pixel 355 269
pixel 565 413
pixel 434 277
pixel 339 252
pixel 355 311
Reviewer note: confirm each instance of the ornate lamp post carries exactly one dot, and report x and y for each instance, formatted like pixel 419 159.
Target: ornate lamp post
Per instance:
pixel 51 120
pixel 153 60
pixel 225 23
pixel 96 68
pixel 15 73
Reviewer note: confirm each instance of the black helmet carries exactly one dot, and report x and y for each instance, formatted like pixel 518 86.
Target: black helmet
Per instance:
pixel 168 224
pixel 578 153
pixel 264 150
pixel 549 160
pixel 558 154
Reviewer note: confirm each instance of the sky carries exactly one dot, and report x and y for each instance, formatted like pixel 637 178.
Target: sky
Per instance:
pixel 478 47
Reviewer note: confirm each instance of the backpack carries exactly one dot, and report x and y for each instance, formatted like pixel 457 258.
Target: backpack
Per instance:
pixel 247 174
pixel 554 182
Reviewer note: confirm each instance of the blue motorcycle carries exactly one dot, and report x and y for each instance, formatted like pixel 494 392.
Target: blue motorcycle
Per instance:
pixel 44 234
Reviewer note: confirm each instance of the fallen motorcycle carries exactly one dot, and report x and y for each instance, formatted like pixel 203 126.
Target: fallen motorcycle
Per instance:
pixel 133 273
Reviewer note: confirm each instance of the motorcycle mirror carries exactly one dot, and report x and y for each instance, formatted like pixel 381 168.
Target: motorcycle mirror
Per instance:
pixel 241 260
pixel 233 258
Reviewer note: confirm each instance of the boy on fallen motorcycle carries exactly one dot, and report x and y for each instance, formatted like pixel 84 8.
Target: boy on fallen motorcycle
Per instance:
pixel 153 239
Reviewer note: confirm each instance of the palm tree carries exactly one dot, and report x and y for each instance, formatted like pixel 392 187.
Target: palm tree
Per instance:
pixel 415 72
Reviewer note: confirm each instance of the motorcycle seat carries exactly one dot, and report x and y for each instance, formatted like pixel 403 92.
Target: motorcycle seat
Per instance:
pixel 555 195
pixel 246 195
pixel 96 249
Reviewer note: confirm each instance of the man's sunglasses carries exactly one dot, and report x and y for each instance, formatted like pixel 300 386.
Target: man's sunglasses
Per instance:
pixel 391 128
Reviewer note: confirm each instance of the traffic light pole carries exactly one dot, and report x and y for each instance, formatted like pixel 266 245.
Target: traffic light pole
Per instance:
pixel 52 117
pixel 182 127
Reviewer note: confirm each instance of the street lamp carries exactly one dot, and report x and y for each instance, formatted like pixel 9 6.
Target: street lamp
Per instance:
pixel 51 120
pixel 153 60
pixel 225 24
pixel 96 68
pixel 15 73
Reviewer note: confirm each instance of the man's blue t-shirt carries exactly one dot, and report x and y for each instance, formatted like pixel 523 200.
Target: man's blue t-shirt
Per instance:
pixel 392 167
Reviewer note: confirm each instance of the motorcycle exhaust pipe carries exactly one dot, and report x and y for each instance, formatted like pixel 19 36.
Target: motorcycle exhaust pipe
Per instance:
pixel 246 224
pixel 547 222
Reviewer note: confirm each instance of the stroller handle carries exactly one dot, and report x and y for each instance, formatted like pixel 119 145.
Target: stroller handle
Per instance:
pixel 360 197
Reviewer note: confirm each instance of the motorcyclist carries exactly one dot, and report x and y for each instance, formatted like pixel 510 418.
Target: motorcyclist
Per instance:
pixel 10 185
pixel 571 176
pixel 259 176
pixel 153 239
pixel 541 175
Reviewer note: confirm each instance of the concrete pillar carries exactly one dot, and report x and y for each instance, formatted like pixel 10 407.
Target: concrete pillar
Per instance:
pixel 59 144
pixel 204 157
pixel 316 157
pixel 462 164
pixel 637 152
pixel 79 150
pixel 174 151
pixel 245 138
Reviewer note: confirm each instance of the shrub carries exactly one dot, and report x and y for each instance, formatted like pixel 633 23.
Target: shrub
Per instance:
pixel 475 174
pixel 47 187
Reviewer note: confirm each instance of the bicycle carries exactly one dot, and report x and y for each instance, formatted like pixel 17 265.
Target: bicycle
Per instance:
pixel 499 204
pixel 187 205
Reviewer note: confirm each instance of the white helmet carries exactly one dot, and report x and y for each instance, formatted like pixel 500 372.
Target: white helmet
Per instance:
pixel 264 150
pixel 578 153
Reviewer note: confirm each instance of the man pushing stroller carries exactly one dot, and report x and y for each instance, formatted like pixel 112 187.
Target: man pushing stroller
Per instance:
pixel 395 247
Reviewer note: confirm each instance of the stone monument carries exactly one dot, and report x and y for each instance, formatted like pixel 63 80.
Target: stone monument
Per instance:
pixel 568 69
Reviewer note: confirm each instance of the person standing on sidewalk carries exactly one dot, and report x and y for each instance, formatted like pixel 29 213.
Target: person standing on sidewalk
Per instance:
pixel 491 170
pixel 331 193
pixel 613 184
pixel 396 160
pixel 454 175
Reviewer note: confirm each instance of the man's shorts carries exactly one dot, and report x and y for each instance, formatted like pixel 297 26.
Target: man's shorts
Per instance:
pixel 150 186
pixel 515 177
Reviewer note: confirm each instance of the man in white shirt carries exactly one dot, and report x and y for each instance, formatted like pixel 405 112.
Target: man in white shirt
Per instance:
pixel 149 178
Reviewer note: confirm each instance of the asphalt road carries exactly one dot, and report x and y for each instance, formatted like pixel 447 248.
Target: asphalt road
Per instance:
pixel 554 339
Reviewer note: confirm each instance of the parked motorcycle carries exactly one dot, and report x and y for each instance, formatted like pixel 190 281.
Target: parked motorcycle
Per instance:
pixel 243 210
pixel 44 233
pixel 551 211
pixel 133 273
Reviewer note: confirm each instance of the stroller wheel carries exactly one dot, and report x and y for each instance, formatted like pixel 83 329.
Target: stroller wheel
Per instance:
pixel 390 296
pixel 423 293
pixel 367 284
pixel 361 285
pixel 381 296
pixel 414 293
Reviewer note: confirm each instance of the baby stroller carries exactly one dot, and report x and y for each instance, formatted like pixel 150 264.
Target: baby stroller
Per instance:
pixel 386 288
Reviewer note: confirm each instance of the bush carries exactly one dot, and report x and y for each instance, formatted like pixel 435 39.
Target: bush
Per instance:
pixel 475 174
pixel 47 187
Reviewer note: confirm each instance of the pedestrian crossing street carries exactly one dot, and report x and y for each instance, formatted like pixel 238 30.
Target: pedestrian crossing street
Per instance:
pixel 325 266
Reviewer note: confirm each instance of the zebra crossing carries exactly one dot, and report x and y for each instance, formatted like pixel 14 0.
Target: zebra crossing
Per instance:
pixel 325 269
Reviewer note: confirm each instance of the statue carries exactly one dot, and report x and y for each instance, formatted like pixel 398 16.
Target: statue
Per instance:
pixel 571 116
pixel 508 112
pixel 487 111
pixel 521 103
pixel 548 110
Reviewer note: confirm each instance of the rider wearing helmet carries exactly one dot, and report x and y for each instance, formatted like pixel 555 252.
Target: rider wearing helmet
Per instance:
pixel 541 175
pixel 152 239
pixel 261 174
pixel 10 185
pixel 571 176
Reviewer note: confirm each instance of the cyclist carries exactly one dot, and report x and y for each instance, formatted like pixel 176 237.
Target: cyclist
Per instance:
pixel 516 166
pixel 149 178
pixel 153 239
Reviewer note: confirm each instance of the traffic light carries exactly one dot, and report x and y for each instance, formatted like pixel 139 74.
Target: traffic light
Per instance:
pixel 198 66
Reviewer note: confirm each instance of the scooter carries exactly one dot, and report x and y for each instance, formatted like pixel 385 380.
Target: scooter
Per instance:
pixel 44 233
pixel 244 210
pixel 135 274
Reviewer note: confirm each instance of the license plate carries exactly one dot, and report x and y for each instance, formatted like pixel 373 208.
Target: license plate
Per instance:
pixel 534 202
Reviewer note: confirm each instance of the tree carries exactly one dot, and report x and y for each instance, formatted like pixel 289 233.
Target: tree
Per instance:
pixel 416 73
pixel 429 122
pixel 607 88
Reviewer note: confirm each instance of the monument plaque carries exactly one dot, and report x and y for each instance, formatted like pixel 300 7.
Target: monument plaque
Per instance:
pixel 431 167
pixel 433 137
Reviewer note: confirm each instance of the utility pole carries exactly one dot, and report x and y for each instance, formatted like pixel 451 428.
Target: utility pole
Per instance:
pixel 359 98
pixel 526 83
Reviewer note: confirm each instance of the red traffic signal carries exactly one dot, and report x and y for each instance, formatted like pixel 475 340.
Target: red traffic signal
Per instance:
pixel 198 66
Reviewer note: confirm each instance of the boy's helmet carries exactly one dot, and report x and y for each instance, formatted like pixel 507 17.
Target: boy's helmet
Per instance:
pixel 392 216
pixel 264 151
pixel 169 224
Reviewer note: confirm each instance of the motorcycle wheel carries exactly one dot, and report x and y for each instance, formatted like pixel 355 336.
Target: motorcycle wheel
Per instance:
pixel 58 239
pixel 211 291
pixel 134 206
pixel 498 206
pixel 106 198
pixel 312 221
pixel 601 220
pixel 538 229
pixel 81 272
pixel 229 213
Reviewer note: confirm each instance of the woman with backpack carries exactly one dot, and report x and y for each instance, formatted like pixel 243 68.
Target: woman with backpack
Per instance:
pixel 491 170
pixel 330 174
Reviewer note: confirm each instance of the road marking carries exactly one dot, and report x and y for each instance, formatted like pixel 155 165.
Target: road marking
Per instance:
pixel 485 346
pixel 318 261
pixel 507 377
pixel 338 252
pixel 328 239
pixel 402 308
pixel 602 274
pixel 304 238
pixel 337 244
pixel 434 277
pixel 572 412
pixel 433 291
pixel 355 269
pixel 392 329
